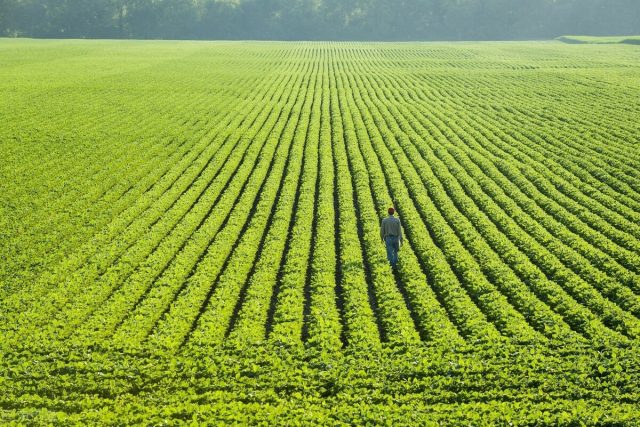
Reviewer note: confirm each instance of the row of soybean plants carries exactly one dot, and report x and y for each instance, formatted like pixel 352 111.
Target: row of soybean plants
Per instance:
pixel 483 216
pixel 254 307
pixel 411 281
pixel 323 328
pixel 611 211
pixel 373 197
pixel 285 319
pixel 572 179
pixel 622 256
pixel 569 145
pixel 151 187
pixel 105 147
pixel 298 300
pixel 604 131
pixel 488 169
pixel 516 128
pixel 447 227
pixel 592 263
pixel 403 306
pixel 595 255
pixel 193 194
pixel 480 178
pixel 168 309
pixel 111 189
pixel 200 285
pixel 569 137
pixel 64 211
pixel 226 298
pixel 181 247
pixel 303 302
pixel 447 289
pixel 445 190
pixel 535 151
pixel 308 306
pixel 590 179
pixel 564 141
pixel 370 291
pixel 135 235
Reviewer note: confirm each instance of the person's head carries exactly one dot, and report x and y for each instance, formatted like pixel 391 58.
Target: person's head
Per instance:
pixel 391 211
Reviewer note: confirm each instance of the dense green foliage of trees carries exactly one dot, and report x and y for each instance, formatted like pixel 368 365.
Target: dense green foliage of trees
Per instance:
pixel 318 19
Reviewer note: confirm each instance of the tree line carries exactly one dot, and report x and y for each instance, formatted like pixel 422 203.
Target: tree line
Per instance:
pixel 318 19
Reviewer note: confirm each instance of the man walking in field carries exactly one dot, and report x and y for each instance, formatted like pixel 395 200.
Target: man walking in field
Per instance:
pixel 391 234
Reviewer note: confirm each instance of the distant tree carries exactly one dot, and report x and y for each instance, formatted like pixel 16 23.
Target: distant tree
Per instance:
pixel 85 18
pixel 143 19
pixel 333 19
pixel 178 18
pixel 319 19
pixel 5 8
pixel 219 20
pixel 120 10
pixel 302 20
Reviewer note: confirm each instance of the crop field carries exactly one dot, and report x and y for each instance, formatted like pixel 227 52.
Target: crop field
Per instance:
pixel 190 232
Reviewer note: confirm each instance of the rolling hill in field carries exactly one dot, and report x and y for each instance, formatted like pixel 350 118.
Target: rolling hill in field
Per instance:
pixel 190 232
pixel 600 40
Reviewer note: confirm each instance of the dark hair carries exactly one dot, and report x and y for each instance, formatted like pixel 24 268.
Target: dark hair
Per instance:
pixel 391 211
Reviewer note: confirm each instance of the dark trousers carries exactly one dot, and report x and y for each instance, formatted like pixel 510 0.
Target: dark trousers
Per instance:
pixel 393 246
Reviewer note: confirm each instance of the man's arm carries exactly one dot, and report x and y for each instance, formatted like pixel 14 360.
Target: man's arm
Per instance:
pixel 401 238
